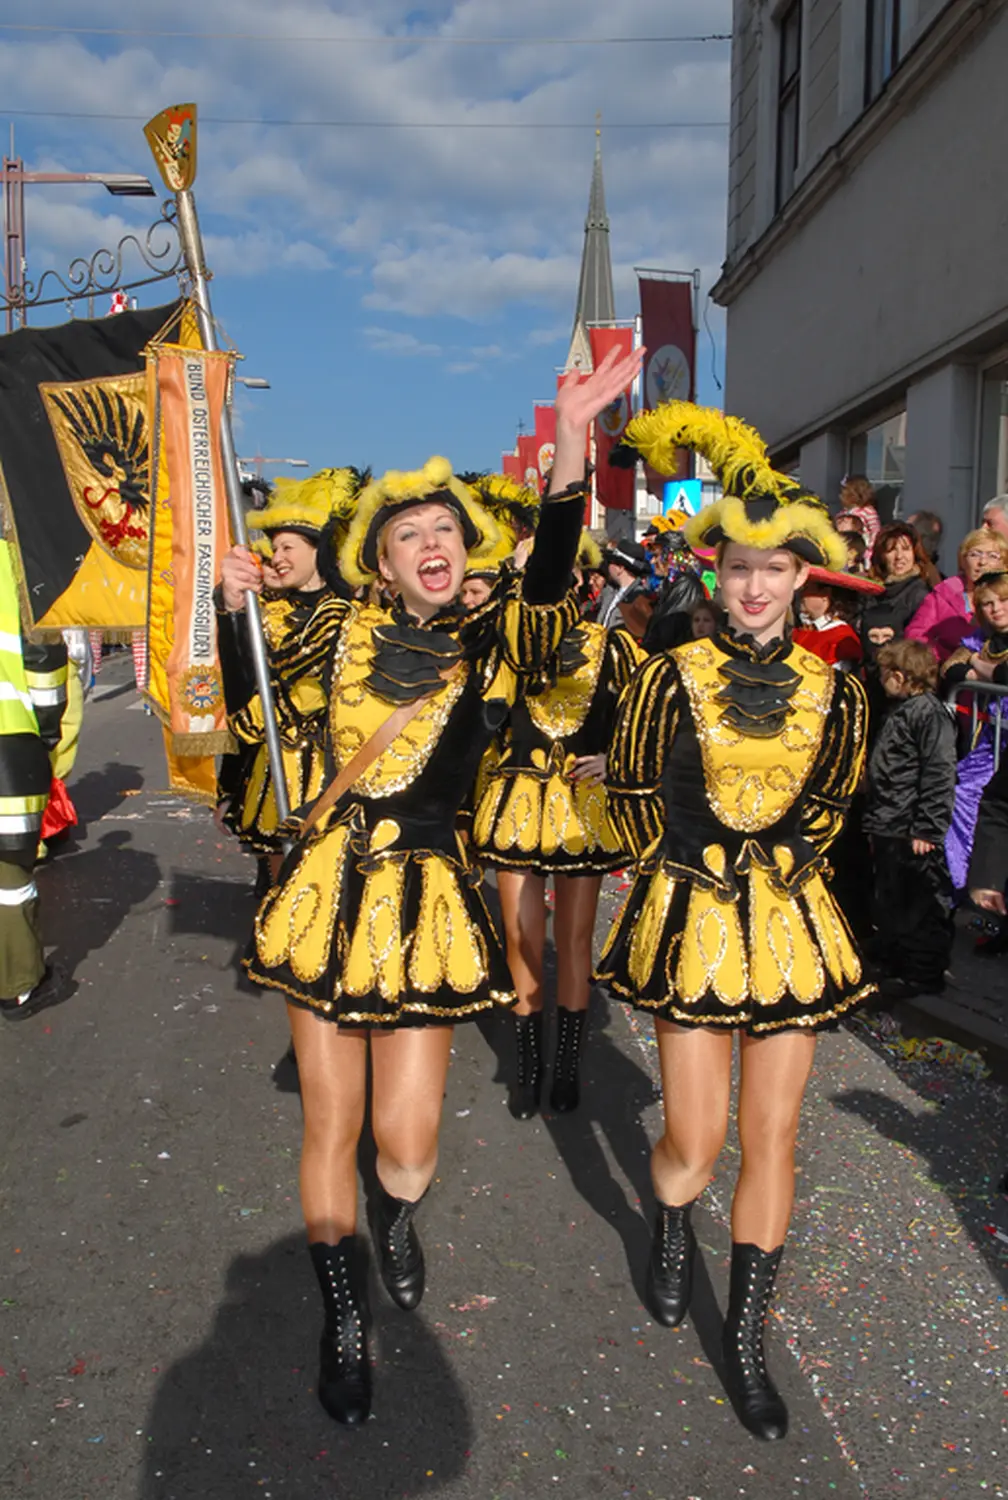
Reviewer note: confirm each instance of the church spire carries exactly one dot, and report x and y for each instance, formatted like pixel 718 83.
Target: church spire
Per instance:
pixel 596 301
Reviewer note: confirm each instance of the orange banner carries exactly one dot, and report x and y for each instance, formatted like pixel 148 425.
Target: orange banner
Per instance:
pixel 191 387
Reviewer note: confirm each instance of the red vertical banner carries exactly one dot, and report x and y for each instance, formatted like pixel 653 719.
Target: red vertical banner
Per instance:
pixel 670 366
pixel 511 466
pixel 528 459
pixel 545 436
pixel 614 487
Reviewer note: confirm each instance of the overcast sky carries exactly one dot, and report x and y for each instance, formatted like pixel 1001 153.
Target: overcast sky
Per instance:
pixel 406 290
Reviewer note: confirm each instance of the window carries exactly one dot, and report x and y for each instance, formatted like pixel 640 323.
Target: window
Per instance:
pixel 994 433
pixel 879 454
pixel 883 45
pixel 788 99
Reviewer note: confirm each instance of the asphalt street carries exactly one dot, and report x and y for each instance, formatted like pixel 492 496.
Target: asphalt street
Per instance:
pixel 159 1316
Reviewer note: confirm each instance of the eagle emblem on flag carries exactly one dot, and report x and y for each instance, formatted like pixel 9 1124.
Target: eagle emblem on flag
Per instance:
pixel 101 432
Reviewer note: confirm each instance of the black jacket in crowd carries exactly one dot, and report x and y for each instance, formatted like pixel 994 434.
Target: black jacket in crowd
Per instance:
pixel 670 624
pixel 893 609
pixel 989 865
pixel 912 772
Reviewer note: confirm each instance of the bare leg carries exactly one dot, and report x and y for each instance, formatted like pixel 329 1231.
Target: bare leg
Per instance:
pixel 523 907
pixel 333 1067
pixel 573 924
pixel 775 1070
pixel 409 1068
pixel 696 1083
pixel 696 1089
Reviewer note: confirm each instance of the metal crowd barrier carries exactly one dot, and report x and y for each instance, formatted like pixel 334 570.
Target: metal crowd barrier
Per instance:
pixel 976 691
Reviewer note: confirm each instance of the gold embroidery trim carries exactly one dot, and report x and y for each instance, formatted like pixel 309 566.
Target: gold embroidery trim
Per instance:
pixel 751 782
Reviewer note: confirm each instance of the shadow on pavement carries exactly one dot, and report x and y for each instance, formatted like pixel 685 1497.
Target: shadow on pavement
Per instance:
pixel 205 907
pixel 87 895
pixel 965 1163
pixel 99 792
pixel 614 1095
pixel 239 1415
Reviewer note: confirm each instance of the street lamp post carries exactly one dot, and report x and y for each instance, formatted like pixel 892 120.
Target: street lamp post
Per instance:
pixel 14 176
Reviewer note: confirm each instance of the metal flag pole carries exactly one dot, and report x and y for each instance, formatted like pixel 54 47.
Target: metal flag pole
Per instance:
pixel 172 139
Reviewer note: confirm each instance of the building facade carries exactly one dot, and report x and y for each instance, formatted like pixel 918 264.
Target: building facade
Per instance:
pixel 866 278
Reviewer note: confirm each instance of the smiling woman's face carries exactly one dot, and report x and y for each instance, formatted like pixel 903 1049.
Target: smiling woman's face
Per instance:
pixel 294 561
pixel 757 587
pixel 423 554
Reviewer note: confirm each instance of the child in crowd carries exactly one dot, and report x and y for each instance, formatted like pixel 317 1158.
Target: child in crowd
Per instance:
pixel 857 499
pixel 911 790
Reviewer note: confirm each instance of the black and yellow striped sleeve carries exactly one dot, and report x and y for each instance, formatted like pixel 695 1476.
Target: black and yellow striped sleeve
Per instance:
pixel 625 656
pixel 646 722
pixel 305 652
pixel 839 765
pixel 530 634
pixel 46 672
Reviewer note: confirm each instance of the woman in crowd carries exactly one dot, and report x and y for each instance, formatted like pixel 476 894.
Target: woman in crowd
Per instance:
pixel 377 931
pixel 301 612
pixel 982 657
pixel 899 563
pixel 947 616
pixel 732 765
pixel 541 813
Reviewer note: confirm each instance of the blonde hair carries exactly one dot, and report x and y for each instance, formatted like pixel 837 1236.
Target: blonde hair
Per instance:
pixel 996 586
pixel 982 537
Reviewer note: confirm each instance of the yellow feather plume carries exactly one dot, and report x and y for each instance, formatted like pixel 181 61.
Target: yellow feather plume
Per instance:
pixel 589 553
pixel 307 502
pixel 738 455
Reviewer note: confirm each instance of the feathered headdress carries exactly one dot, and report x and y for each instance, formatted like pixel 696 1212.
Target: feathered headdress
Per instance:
pixel 514 506
pixel 397 491
pixel 305 505
pixel 761 507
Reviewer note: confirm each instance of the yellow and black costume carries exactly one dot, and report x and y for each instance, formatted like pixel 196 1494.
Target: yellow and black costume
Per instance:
pixel 378 918
pixel 300 627
pixel 730 774
pixel 531 814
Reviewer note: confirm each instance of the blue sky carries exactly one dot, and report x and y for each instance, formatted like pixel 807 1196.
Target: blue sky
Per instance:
pixel 408 290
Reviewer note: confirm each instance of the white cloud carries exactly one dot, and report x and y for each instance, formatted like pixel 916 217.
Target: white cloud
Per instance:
pixel 396 341
pixel 454 221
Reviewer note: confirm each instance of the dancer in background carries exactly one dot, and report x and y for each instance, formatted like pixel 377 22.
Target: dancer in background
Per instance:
pixel 733 762
pixel 541 813
pixel 301 615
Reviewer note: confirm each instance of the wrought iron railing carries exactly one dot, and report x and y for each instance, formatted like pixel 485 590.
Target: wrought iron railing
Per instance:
pixel 158 249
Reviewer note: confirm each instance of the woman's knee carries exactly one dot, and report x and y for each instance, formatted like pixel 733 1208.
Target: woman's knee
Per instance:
pixel 696 1154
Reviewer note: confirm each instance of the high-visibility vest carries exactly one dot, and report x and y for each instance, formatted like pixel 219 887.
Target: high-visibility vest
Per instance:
pixel 32 699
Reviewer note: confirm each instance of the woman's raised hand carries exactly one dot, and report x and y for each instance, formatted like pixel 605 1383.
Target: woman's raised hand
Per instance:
pixel 579 401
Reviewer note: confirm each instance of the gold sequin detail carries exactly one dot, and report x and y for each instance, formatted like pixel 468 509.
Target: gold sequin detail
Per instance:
pixel 751 782
pixel 562 709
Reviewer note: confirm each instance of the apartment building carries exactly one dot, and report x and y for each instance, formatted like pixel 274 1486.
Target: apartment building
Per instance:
pixel 866 278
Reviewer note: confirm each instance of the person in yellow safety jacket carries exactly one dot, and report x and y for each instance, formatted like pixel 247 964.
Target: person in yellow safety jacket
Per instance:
pixel 33 696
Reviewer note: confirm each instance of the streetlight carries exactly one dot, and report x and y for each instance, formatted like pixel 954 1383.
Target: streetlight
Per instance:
pixel 260 462
pixel 14 177
pixel 253 382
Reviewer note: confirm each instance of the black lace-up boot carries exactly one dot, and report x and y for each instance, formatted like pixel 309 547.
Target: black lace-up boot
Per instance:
pixel 757 1402
pixel 670 1269
pixel 524 1100
pixel 400 1254
pixel 344 1383
pixel 565 1094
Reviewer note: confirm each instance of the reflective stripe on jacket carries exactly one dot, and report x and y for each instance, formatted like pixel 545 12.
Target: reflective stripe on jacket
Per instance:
pixel 32 699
